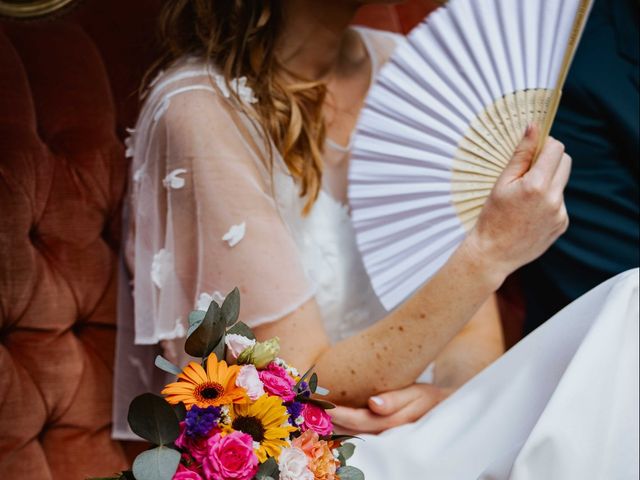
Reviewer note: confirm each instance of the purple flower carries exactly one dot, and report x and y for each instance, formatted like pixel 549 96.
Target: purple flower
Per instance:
pixel 295 410
pixel 200 421
pixel 303 388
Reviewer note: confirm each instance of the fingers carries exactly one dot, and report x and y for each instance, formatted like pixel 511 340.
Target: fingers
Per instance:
pixel 548 161
pixel 413 402
pixel 357 420
pixel 390 402
pixel 524 155
pixel 562 174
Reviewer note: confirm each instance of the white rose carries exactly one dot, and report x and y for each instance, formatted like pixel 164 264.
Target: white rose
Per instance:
pixel 249 379
pixel 238 343
pixel 293 465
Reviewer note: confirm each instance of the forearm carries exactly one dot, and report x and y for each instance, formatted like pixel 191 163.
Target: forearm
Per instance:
pixel 479 344
pixel 392 353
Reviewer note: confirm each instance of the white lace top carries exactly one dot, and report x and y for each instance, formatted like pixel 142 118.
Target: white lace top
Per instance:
pixel 206 214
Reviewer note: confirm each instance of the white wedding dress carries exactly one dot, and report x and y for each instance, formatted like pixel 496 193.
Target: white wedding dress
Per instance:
pixel 209 209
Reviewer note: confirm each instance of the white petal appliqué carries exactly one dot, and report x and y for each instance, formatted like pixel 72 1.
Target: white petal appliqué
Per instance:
pixel 137 175
pixel 130 143
pixel 238 85
pixel 173 180
pixel 161 267
pixel 204 300
pixel 218 297
pixel 235 234
pixel 244 92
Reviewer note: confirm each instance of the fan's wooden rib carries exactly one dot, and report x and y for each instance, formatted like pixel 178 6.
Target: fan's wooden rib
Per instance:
pixel 574 37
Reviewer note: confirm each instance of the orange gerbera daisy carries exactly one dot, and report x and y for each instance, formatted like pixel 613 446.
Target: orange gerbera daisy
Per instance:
pixel 211 388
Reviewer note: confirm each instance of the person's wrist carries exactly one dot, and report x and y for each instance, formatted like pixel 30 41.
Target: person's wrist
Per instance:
pixel 484 259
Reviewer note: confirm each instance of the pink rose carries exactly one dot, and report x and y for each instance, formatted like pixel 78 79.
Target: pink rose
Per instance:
pixel 316 419
pixel 196 447
pixel 184 473
pixel 249 379
pixel 230 457
pixel 277 382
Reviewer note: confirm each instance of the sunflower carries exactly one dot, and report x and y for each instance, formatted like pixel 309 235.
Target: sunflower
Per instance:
pixel 211 388
pixel 266 420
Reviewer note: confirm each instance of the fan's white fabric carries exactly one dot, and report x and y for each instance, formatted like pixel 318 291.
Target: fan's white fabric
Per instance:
pixel 448 93
pixel 205 214
pixel 561 405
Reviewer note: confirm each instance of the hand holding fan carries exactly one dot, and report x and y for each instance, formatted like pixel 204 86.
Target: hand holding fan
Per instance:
pixel 441 123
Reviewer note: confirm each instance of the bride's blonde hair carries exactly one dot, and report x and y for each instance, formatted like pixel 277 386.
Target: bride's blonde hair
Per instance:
pixel 239 37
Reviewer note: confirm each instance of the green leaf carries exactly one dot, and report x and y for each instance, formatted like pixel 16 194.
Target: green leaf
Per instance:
pixel 317 402
pixel 347 449
pixel 160 463
pixel 313 383
pixel 153 419
pixel 241 329
pixel 166 366
pixel 207 335
pixel 268 469
pixel 220 349
pixel 341 438
pixel 195 319
pixel 181 411
pixel 303 378
pixel 350 473
pixel 231 307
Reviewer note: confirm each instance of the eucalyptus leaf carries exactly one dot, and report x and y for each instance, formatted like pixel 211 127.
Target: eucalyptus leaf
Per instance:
pixel 220 349
pixel 350 473
pixel 181 411
pixel 303 378
pixel 195 319
pixel 318 403
pixel 341 438
pixel 153 419
pixel 196 316
pixel 231 307
pixel 268 469
pixel 166 366
pixel 207 335
pixel 347 449
pixel 313 383
pixel 241 329
pixel 160 463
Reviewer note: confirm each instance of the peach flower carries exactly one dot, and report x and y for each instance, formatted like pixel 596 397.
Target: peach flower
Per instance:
pixel 321 460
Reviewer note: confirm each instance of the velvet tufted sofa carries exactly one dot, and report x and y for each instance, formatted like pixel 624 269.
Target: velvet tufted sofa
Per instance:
pixel 67 93
pixel 67 89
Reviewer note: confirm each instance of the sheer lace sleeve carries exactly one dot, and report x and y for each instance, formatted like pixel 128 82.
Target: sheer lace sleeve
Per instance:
pixel 205 218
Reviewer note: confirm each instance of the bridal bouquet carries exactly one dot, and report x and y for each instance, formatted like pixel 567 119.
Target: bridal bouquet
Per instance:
pixel 253 417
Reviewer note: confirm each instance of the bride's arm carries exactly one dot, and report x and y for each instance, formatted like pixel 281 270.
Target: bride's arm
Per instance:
pixel 523 216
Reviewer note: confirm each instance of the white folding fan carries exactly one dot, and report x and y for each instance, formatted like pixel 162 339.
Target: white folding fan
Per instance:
pixel 442 121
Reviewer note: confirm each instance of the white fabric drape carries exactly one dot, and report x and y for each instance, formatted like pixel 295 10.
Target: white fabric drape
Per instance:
pixel 560 405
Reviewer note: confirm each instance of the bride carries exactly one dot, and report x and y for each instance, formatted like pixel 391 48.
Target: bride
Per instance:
pixel 239 178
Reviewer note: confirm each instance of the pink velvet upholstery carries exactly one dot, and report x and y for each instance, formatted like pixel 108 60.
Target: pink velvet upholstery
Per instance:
pixel 66 90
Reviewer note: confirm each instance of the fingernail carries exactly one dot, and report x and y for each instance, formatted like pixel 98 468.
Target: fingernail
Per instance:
pixel 378 401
